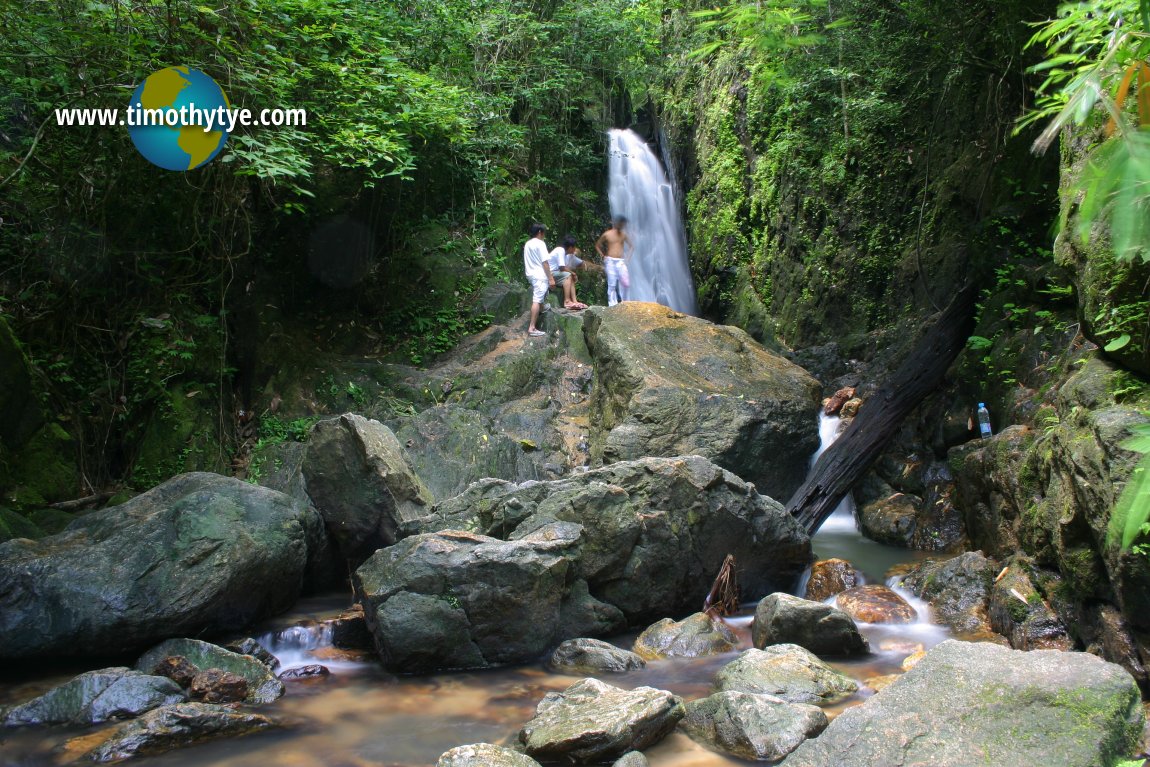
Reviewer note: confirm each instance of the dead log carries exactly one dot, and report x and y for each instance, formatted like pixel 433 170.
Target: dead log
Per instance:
pixel 845 461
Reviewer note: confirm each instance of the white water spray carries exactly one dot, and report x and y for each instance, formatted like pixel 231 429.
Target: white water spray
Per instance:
pixel 640 190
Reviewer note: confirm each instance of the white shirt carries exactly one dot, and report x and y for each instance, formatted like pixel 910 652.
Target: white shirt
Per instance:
pixel 534 254
pixel 560 258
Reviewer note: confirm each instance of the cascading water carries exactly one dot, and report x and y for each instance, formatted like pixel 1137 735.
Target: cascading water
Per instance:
pixel 839 537
pixel 640 190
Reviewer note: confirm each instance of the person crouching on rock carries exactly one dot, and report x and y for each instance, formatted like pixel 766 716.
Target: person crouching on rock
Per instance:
pixel 564 262
pixel 538 271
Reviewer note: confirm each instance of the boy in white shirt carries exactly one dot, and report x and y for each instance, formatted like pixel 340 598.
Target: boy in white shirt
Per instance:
pixel 563 261
pixel 538 272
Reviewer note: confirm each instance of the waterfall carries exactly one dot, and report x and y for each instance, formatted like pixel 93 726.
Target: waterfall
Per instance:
pixel 640 190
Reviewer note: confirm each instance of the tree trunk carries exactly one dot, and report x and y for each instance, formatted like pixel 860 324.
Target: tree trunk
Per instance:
pixel 844 462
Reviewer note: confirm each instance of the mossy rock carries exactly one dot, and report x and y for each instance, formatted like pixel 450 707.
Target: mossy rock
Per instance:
pixel 182 437
pixel 40 472
pixel 14 525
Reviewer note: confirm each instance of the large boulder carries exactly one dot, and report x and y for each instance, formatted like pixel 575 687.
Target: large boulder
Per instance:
pixel 199 553
pixel 460 600
pixel 262 685
pixel 669 384
pixel 786 671
pixel 362 483
pixel 749 726
pixel 974 704
pixel 97 696
pixel 167 728
pixel 592 722
pixel 654 532
pixel 816 626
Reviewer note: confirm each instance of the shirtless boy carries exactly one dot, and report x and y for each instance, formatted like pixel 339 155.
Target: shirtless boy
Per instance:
pixel 615 246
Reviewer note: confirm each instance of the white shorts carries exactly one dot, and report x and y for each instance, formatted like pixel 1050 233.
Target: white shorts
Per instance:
pixel 538 289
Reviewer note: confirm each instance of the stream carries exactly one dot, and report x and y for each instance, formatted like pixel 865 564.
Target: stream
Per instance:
pixel 361 716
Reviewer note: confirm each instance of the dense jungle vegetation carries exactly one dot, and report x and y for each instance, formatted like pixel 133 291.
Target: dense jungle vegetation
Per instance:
pixel 846 166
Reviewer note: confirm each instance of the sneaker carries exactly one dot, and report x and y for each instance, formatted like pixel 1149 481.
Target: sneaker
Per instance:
pixel 536 333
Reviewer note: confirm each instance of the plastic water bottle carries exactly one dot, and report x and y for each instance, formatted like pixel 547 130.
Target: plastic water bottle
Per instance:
pixel 984 421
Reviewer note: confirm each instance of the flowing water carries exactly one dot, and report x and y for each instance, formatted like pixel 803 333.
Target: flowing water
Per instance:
pixel 361 716
pixel 639 189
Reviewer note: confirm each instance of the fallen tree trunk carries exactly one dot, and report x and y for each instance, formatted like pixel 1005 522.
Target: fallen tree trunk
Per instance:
pixel 843 463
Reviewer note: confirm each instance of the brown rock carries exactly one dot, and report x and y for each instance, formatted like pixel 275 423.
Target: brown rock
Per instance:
pixel 850 408
pixel 218 686
pixel 876 683
pixel 830 577
pixel 834 403
pixel 177 668
pixel 349 630
pixel 876 604
pixel 912 660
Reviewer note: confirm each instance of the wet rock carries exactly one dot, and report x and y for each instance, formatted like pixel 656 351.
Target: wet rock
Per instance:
pixel 632 759
pixel 913 659
pixel 215 685
pixel 362 483
pixel 835 402
pixel 654 532
pixel 786 671
pixel 167 728
pixel 97 696
pixel 249 646
pixel 668 384
pixel 696 636
pixel 484 755
pixel 824 630
pixel 876 604
pixel 958 589
pixel 829 577
pixel 973 704
pixel 593 722
pixel 198 553
pixel 750 726
pixel 349 630
pixel 177 668
pixel 1018 611
pixel 1114 641
pixel 310 671
pixel 891 520
pixel 850 408
pixel 590 656
pixel 263 687
pixel 460 600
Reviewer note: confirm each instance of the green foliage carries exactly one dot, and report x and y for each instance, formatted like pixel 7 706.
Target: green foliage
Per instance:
pixel 1131 514
pixel 1095 53
pixel 498 123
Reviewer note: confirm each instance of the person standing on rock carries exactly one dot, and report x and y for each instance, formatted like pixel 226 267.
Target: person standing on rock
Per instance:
pixel 615 247
pixel 538 271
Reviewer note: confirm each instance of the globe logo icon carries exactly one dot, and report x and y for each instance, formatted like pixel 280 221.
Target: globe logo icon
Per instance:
pixel 181 93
